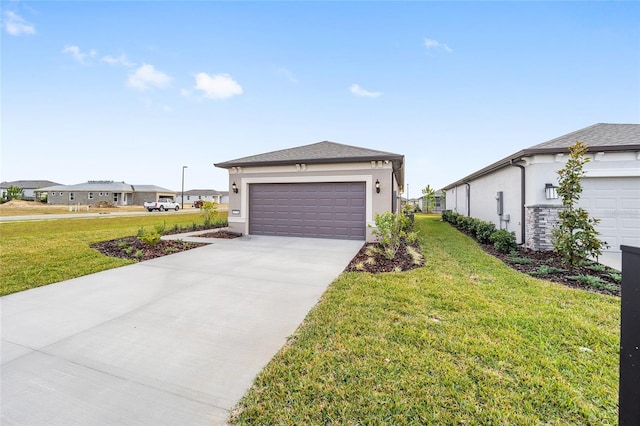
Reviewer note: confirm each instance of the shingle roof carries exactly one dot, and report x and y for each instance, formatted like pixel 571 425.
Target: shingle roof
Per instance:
pixel 28 184
pixel 598 137
pixel 151 188
pixel 107 186
pixel 206 192
pixel 318 153
pixel 325 152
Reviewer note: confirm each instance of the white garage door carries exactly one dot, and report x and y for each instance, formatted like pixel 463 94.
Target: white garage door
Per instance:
pixel 616 202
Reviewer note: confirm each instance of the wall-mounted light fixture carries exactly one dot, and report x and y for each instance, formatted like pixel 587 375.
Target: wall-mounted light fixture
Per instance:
pixel 550 191
pixel 377 186
pixel 234 188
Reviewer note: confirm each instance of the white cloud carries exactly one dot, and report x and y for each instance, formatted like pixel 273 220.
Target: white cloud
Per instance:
pixel 77 54
pixel 146 77
pixel 220 86
pixel 435 44
pixel 288 75
pixel 16 26
pixel 120 60
pixel 359 91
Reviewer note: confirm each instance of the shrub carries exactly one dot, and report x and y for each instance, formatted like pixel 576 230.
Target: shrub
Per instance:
pixel 593 282
pixel 209 211
pixel 514 258
pixel 391 230
pixel 150 237
pixel 504 240
pixel 448 216
pixel 484 231
pixel 546 270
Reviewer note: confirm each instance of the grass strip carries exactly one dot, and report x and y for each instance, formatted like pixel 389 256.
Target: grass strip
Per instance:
pixel 463 340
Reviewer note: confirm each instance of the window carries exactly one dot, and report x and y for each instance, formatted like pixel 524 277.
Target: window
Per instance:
pixel 106 194
pixel 91 195
pixel 188 197
pixel 61 194
pixel 100 194
pixel 71 196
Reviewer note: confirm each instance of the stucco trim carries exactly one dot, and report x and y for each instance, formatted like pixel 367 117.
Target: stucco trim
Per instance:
pixel 630 172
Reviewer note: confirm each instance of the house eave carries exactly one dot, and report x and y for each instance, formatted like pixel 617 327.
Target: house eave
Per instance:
pixel 230 164
pixel 507 161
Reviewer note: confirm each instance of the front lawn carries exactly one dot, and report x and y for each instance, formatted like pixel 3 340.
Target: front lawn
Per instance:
pixel 36 253
pixel 463 340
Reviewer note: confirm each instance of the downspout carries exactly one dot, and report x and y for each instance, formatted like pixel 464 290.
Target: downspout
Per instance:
pixel 392 191
pixel 522 199
pixel 468 198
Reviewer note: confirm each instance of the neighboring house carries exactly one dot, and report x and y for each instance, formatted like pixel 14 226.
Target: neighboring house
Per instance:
pixel 94 191
pixel 28 186
pixel 438 203
pixel 220 197
pixel 322 190
pixel 518 193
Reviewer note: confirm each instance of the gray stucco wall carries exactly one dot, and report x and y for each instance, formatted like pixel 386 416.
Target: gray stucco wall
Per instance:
pixel 368 172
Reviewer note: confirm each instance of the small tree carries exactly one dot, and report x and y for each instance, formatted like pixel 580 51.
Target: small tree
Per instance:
pixel 429 197
pixel 574 236
pixel 209 211
pixel 14 193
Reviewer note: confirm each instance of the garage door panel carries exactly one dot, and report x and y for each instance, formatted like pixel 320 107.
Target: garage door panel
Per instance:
pixel 616 202
pixel 630 203
pixel 323 210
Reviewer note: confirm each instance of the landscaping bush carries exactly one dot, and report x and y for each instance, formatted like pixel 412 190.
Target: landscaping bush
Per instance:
pixel 484 231
pixel 209 211
pixel 391 230
pixel 504 240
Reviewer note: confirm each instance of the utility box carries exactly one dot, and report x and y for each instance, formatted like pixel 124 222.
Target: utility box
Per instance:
pixel 629 389
pixel 500 203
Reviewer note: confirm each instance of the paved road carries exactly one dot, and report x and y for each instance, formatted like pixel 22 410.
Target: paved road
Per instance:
pixel 171 341
pixel 81 215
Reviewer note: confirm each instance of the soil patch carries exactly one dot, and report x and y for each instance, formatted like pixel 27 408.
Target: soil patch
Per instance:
pixel 550 266
pixel 371 259
pixel 132 248
pixel 220 234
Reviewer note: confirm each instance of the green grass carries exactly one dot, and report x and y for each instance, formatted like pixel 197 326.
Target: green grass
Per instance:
pixel 37 253
pixel 463 340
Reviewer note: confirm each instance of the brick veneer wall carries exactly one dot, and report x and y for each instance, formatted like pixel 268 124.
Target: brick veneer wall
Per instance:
pixel 540 220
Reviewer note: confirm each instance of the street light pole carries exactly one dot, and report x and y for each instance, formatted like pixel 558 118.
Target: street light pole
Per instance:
pixel 183 167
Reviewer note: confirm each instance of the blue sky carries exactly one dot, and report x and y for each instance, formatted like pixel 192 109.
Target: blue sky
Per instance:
pixel 132 91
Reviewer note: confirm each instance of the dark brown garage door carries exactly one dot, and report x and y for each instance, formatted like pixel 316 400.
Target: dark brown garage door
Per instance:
pixel 318 210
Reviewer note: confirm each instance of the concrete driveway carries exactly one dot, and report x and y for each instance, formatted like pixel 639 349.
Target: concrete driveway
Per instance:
pixel 172 341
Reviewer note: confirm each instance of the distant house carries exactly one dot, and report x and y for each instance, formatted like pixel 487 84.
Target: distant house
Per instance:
pixel 518 193
pixel 220 197
pixel 28 186
pixel 117 193
pixel 438 203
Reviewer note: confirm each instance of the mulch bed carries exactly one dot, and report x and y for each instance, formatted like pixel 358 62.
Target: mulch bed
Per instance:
pixel 371 259
pixel 220 234
pixel 132 248
pixel 552 259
